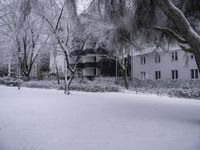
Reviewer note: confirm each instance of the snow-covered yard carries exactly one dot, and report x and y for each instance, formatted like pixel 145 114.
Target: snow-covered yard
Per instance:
pixel 37 119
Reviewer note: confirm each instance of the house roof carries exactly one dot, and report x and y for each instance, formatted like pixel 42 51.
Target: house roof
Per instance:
pixel 150 49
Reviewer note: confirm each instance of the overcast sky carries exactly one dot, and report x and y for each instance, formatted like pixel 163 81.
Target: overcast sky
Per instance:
pixel 82 4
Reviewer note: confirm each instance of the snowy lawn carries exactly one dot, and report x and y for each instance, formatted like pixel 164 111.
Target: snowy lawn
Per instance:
pixel 38 119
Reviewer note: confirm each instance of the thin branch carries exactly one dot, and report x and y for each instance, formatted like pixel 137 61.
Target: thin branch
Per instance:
pixel 40 49
pixel 67 41
pixel 60 16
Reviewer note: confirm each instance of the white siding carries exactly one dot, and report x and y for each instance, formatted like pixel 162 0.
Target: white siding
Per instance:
pixel 60 59
pixel 184 64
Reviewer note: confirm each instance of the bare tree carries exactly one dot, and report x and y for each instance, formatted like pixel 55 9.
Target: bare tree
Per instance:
pixel 69 42
pixel 26 31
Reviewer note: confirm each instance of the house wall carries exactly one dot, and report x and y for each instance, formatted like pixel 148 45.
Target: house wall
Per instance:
pixel 88 71
pixel 59 61
pixel 184 64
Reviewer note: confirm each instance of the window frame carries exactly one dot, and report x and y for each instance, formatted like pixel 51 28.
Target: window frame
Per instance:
pixel 174 74
pixel 157 58
pixel 194 73
pixel 157 75
pixel 142 60
pixel 174 56
pixel 143 75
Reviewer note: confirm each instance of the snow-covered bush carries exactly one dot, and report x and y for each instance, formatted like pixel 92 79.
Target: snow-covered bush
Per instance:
pixel 1 81
pixel 9 81
pixel 95 85
pixel 185 93
pixel 166 83
pixel 78 84
pixel 40 84
pixel 177 88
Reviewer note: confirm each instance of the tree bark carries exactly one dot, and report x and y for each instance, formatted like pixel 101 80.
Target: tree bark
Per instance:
pixel 57 74
pixel 184 27
pixel 126 74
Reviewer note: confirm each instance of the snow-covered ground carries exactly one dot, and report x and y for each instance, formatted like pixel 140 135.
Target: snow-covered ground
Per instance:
pixel 37 119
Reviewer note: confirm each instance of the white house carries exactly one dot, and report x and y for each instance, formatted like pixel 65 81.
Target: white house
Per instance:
pixel 159 64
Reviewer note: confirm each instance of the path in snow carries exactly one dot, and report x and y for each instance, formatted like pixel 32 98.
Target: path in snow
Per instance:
pixel 37 119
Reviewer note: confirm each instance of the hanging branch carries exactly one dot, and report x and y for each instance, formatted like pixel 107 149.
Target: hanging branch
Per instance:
pixel 171 33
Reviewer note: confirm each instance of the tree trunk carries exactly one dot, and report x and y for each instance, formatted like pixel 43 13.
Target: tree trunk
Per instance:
pixel 26 77
pixel 57 75
pixel 67 84
pixel 126 74
pixel 71 78
pixel 126 79
pixel 66 89
pixel 184 27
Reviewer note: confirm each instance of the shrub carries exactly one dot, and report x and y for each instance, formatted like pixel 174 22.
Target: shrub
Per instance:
pixel 95 85
pixel 41 84
pixel 78 84
pixel 185 93
pixel 173 88
pixel 9 81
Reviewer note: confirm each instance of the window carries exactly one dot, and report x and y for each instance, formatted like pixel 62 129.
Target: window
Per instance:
pixel 142 60
pixel 143 75
pixel 174 74
pixel 157 75
pixel 157 58
pixel 174 56
pixel 194 74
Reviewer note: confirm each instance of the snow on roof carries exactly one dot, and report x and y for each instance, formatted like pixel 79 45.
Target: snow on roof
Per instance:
pixel 149 49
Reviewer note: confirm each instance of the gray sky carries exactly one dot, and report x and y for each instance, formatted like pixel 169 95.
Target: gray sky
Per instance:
pixel 82 4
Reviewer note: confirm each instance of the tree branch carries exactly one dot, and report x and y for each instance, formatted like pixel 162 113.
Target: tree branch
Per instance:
pixel 172 33
pixel 186 49
pixel 178 18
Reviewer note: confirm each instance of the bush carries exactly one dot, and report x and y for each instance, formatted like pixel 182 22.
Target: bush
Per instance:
pixel 166 83
pixel 177 88
pixel 78 84
pixel 95 85
pixel 9 81
pixel 40 84
pixel 1 81
pixel 185 93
